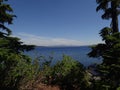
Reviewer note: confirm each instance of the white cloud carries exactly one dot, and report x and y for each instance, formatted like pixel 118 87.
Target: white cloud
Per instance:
pixel 47 41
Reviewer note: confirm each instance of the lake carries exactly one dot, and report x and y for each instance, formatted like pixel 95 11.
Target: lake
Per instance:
pixel 77 53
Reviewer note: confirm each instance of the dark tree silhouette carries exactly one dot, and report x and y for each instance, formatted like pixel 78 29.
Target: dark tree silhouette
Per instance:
pixel 5 18
pixel 110 50
pixel 111 10
pixel 14 65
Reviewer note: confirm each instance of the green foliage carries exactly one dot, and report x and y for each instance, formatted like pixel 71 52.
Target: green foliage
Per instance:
pixel 111 11
pixel 110 67
pixel 118 88
pixel 15 67
pixel 6 16
pixel 110 50
pixel 111 45
pixel 68 74
pixel 107 7
pixel 13 44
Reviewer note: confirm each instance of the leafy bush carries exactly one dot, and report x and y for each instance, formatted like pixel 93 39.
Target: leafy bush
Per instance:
pixel 68 74
pixel 14 68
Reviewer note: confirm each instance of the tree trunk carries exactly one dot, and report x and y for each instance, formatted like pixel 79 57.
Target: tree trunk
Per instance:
pixel 114 17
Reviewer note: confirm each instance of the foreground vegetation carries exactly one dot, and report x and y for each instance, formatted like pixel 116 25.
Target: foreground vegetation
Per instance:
pixel 20 72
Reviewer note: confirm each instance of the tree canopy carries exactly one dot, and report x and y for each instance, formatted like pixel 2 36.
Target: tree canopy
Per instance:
pixel 14 65
pixel 6 17
pixel 111 10
pixel 109 51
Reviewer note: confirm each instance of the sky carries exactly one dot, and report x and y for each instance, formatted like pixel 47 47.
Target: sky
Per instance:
pixel 57 22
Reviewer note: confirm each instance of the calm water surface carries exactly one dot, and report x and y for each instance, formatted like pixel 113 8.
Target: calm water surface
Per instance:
pixel 77 53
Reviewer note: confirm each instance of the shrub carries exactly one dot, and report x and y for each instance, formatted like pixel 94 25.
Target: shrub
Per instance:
pixel 68 74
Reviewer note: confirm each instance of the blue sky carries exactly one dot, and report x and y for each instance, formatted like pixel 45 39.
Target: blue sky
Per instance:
pixel 57 22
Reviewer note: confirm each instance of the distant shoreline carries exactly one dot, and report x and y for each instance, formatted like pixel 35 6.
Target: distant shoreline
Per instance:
pixel 66 46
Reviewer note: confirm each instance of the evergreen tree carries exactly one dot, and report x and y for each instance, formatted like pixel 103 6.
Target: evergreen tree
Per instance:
pixel 5 17
pixel 111 10
pixel 14 65
pixel 110 50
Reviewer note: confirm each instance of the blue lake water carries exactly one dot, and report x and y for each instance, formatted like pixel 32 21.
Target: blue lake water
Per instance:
pixel 77 53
